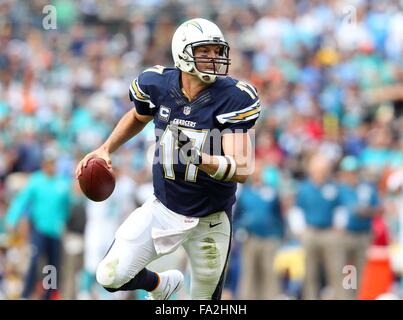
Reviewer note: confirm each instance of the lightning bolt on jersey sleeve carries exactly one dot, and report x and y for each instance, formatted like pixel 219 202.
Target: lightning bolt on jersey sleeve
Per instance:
pixel 140 90
pixel 242 108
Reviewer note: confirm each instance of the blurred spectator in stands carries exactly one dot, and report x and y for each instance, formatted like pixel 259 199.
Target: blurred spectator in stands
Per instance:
pixel 45 202
pixel 259 215
pixel 28 152
pixel 376 156
pixel 318 198
pixel 360 202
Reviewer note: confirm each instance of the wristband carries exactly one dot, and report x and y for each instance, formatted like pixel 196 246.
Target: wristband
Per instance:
pixel 230 169
pixel 226 168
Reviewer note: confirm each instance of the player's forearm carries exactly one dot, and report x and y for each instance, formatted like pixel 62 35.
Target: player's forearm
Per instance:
pixel 210 165
pixel 127 127
pixel 233 166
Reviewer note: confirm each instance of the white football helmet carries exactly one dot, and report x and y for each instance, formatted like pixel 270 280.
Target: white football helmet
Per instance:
pixel 194 33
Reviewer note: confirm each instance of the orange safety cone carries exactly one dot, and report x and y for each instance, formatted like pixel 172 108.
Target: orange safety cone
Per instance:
pixel 56 295
pixel 377 277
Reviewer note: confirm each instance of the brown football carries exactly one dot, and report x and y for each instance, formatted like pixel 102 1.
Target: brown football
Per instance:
pixel 97 181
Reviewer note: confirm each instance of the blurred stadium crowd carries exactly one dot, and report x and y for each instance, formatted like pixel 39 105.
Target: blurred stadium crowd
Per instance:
pixel 329 143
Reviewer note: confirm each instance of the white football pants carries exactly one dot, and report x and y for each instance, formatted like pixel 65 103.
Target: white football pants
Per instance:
pixel 153 230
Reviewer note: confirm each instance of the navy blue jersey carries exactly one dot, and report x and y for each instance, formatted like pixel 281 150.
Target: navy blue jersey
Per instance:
pixel 225 104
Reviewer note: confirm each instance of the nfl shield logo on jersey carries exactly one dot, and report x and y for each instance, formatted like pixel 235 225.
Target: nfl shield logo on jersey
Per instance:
pixel 186 110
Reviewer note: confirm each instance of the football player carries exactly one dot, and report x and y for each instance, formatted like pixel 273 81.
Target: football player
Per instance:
pixel 193 106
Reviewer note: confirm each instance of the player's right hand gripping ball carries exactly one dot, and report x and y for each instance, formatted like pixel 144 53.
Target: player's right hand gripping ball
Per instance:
pixel 97 181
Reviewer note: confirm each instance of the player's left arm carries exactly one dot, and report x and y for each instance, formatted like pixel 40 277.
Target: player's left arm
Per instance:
pixel 235 165
pixel 238 120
